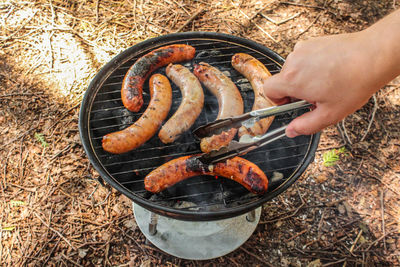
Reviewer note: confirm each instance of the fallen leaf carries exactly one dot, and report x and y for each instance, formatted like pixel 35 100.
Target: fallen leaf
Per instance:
pixel 342 209
pixel 146 263
pixel 321 178
pixel 82 253
pixel 316 263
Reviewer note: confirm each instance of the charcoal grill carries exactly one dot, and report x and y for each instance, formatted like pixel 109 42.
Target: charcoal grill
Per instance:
pixel 202 198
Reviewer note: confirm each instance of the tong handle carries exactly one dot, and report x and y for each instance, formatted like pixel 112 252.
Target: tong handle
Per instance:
pixel 222 125
pixel 277 110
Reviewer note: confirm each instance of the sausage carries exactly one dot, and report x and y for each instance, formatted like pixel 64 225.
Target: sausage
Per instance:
pixel 148 124
pixel 256 73
pixel 190 107
pixel 230 103
pixel 132 85
pixel 238 169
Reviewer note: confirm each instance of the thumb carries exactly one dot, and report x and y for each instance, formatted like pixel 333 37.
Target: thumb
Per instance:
pixel 275 88
pixel 309 123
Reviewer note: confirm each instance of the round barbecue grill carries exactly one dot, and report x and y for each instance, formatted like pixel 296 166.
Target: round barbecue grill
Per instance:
pixel 202 198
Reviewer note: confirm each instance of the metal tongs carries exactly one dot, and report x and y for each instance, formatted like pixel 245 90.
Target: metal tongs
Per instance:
pixel 246 142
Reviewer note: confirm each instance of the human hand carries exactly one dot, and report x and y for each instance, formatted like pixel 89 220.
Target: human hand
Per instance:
pixel 333 73
pixel 337 73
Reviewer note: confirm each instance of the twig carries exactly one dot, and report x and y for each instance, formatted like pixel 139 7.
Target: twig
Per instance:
pixel 62 117
pixel 356 240
pixel 391 90
pixel 282 21
pixel 21 94
pixel 259 27
pixel 383 220
pixel 54 230
pixel 284 218
pixel 296 235
pixel 68 147
pixel 134 240
pixel 233 261
pixel 97 10
pixel 21 135
pixel 333 263
pixel 300 196
pixel 53 14
pixel 309 26
pixel 51 252
pixel 380 238
pixel 320 224
pixel 372 118
pixel 308 6
pixel 193 17
pixel 71 261
pixel 345 133
pixel 257 257
pixel 20 28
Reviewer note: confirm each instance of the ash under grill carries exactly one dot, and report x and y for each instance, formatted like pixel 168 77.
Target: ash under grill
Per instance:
pixel 202 197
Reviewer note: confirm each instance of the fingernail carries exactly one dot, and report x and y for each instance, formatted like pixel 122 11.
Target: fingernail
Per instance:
pixel 291 133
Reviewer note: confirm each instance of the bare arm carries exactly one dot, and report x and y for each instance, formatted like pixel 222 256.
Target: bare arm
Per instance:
pixel 338 73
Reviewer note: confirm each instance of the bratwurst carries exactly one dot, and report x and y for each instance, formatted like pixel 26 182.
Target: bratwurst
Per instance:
pixel 230 103
pixel 148 124
pixel 256 73
pixel 238 169
pixel 132 85
pixel 190 106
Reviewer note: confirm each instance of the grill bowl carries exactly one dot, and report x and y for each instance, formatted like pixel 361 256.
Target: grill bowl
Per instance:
pixel 201 198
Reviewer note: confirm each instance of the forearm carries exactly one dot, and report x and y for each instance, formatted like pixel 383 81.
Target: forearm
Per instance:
pixel 383 39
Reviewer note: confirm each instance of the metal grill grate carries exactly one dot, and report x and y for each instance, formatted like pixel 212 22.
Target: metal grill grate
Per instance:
pixel 203 197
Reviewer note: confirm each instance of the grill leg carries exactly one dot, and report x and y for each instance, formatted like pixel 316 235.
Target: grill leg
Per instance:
pixel 251 216
pixel 153 223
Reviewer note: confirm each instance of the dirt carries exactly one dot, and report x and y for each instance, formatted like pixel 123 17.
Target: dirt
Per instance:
pixel 55 212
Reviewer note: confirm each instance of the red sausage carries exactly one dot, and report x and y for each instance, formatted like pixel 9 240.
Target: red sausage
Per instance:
pixel 132 85
pixel 238 169
pixel 190 107
pixel 230 102
pixel 148 124
pixel 256 73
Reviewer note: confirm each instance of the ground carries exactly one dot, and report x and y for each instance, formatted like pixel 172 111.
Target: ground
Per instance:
pixel 55 212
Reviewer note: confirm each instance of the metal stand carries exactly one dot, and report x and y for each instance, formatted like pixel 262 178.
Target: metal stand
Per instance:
pixel 196 240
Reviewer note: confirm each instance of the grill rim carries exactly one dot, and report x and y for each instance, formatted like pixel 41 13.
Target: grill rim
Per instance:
pixel 124 57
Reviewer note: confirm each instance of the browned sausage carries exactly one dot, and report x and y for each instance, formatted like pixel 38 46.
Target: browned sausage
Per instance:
pixel 148 124
pixel 132 85
pixel 238 169
pixel 256 73
pixel 230 102
pixel 190 107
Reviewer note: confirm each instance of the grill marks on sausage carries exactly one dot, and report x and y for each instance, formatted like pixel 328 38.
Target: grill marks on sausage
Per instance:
pixel 256 73
pixel 238 169
pixel 132 85
pixel 148 124
pixel 230 102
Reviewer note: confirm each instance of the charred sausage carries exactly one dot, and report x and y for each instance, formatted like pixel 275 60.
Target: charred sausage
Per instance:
pixel 230 102
pixel 256 73
pixel 132 85
pixel 148 124
pixel 238 169
pixel 190 107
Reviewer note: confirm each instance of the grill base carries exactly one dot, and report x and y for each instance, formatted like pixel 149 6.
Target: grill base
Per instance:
pixel 196 240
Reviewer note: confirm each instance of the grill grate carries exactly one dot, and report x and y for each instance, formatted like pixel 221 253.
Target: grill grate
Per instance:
pixel 198 198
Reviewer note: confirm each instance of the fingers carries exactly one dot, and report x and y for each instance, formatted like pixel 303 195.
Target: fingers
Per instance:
pixel 276 89
pixel 310 123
